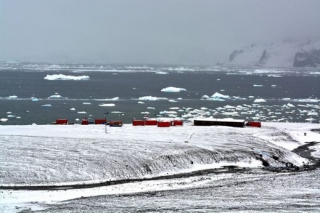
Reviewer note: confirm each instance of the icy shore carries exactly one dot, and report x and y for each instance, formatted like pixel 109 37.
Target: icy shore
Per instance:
pixel 60 157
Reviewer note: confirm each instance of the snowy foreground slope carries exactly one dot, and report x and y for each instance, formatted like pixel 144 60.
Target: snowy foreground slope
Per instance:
pixel 79 157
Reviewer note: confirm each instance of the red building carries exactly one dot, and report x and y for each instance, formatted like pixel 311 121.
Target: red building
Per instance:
pixel 100 121
pixel 138 122
pixel 164 124
pixel 254 123
pixel 61 121
pixel 176 123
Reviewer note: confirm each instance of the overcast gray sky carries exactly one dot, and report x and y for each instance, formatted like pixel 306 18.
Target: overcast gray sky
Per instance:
pixel 148 31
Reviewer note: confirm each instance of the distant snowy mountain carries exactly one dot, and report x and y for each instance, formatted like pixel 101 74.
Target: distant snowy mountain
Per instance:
pixel 288 53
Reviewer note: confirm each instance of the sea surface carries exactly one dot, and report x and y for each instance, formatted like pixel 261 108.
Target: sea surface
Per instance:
pixel 282 95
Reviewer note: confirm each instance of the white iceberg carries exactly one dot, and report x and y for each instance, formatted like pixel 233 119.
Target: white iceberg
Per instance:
pixel 12 97
pixel 66 77
pixel 259 100
pixel 151 98
pixel 3 119
pixel 173 89
pixel 219 95
pixel 161 73
pixel 215 97
pixel 55 96
pixel 107 105
pixel 108 99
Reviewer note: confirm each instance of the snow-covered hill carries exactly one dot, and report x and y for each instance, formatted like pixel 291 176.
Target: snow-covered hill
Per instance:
pixel 48 166
pixel 287 53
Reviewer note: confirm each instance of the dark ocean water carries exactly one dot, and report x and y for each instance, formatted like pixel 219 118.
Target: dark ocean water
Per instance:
pixel 129 86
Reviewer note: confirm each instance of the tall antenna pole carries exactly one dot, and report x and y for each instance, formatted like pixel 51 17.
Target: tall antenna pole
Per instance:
pixel 105 124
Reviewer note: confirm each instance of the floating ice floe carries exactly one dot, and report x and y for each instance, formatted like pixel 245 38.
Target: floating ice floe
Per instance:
pixel 219 95
pixel 173 101
pixel 34 99
pixel 259 100
pixel 236 114
pixel 311 119
pixel 229 107
pixel 140 102
pixel 173 89
pixel 86 103
pixel 82 112
pixel 310 100
pixel 107 105
pixel 275 76
pixel 108 99
pixel 66 77
pixel 151 98
pixel 55 96
pixel 314 73
pixel 151 108
pixel 167 112
pixel 174 108
pixel 116 112
pixel 161 73
pixel 290 105
pixel 12 97
pixel 3 119
pixel 73 109
pixel 46 105
pixel 312 113
pixel 215 97
pixel 258 85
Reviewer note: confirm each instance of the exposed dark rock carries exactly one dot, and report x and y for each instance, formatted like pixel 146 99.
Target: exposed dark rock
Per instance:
pixel 263 58
pixel 307 59
pixel 234 54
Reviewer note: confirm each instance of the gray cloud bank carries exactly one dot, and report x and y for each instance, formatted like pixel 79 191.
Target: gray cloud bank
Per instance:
pixel 148 31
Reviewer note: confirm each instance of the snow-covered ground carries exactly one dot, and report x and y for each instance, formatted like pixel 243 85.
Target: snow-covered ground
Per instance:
pixel 143 159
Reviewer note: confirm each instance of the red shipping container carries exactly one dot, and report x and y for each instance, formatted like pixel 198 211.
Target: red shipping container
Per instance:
pixel 100 121
pixel 150 122
pixel 164 124
pixel 254 123
pixel 176 123
pixel 62 121
pixel 84 122
pixel 138 122
pixel 115 123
